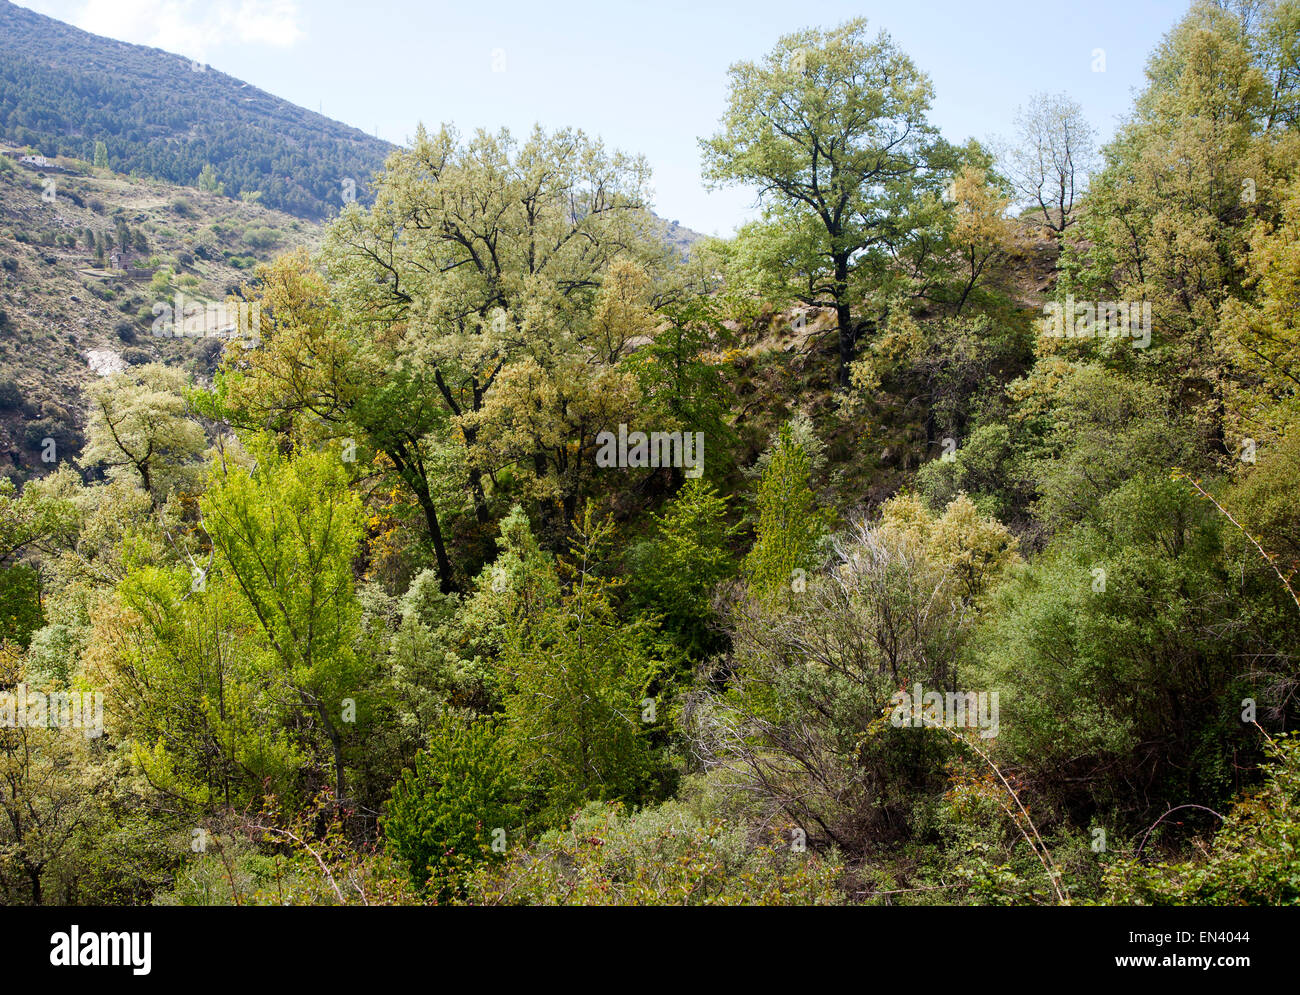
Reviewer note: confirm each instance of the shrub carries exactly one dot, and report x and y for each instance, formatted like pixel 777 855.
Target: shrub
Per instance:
pixel 10 396
pixel 64 434
pixel 261 237
pixel 443 813
pixel 1254 859
pixel 659 856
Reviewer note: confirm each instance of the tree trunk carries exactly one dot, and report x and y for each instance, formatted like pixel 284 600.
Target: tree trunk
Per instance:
pixel 445 582
pixel 336 743
pixel 848 343
pixel 420 486
pixel 844 317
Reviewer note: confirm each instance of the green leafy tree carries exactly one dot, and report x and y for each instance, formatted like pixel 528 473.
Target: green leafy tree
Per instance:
pixel 185 674
pixel 575 715
pixel 208 181
pixel 482 251
pixel 831 127
pixel 140 424
pixel 676 570
pixel 285 534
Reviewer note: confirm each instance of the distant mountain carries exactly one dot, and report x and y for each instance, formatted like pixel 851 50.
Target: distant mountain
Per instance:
pixel 161 116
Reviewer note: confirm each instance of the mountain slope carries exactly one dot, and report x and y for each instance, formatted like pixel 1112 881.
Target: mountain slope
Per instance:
pixel 63 89
pixel 85 256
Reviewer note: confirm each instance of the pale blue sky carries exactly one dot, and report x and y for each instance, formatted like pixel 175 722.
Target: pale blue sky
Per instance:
pixel 648 78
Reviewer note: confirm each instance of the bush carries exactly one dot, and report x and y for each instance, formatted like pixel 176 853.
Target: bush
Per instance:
pixel 659 856
pixel 443 814
pixel 10 396
pixel 64 434
pixel 262 237
pixel 1254 858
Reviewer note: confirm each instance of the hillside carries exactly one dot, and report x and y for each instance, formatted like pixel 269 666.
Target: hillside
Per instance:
pixel 72 295
pixel 160 115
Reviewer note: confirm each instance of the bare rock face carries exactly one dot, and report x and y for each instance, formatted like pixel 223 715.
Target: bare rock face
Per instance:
pixel 105 362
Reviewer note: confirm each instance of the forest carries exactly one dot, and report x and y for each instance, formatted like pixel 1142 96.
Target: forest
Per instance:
pixel 931 541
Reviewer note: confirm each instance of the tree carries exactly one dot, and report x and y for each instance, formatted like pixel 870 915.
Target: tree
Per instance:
pixel 622 318
pixel 140 423
pixel 831 127
pixel 315 377
pixel 688 554
pixel 680 387
pixel 285 534
pixel 975 551
pixel 544 422
pixel 580 674
pixel 481 252
pixel 980 234
pixel 208 181
pixel 101 155
pixel 1169 216
pixel 789 522
pixel 1050 161
pixel 50 789
pixel 1264 334
pixel 41 514
pixel 185 673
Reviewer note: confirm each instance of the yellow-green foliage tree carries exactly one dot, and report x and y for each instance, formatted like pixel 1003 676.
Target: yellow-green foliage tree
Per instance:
pixel 789 522
pixel 285 534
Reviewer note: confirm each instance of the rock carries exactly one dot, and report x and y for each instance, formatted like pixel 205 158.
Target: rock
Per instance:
pixel 105 362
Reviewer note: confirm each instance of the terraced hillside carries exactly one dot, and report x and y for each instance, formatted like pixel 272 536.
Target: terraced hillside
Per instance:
pixel 85 255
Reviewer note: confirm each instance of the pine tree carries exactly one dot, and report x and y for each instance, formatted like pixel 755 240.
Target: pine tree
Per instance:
pixel 789 521
pixel 576 717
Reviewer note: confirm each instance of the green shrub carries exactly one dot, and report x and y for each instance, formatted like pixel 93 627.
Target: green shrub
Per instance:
pixel 10 395
pixel 659 856
pixel 444 813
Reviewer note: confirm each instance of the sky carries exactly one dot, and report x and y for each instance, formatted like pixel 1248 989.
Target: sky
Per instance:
pixel 648 78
